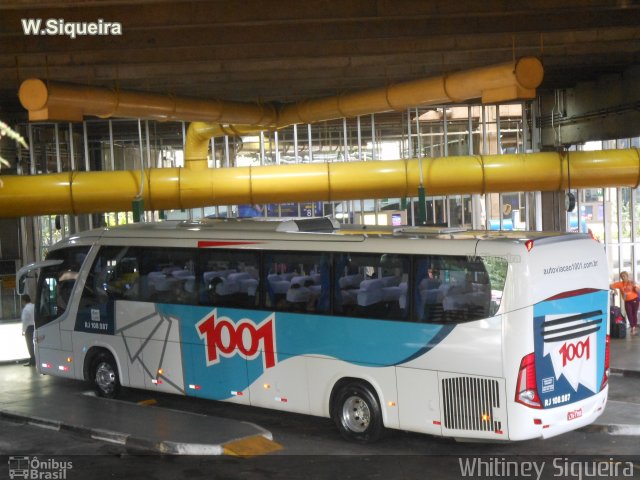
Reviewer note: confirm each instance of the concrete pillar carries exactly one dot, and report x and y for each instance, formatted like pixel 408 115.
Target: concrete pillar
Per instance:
pixel 554 214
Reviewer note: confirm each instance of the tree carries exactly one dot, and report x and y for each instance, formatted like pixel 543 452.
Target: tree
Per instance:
pixel 7 131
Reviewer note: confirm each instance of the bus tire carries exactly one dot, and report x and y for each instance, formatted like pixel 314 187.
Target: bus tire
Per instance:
pixel 357 414
pixel 105 377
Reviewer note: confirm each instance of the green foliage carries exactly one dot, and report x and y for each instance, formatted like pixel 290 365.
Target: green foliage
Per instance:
pixel 7 131
pixel 497 270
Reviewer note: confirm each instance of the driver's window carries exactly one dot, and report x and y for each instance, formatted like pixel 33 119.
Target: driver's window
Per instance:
pixel 56 283
pixel 48 308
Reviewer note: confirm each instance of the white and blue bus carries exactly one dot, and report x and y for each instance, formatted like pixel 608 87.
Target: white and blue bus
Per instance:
pixel 472 335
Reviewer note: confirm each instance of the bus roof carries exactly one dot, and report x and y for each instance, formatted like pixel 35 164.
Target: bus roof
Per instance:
pixel 316 230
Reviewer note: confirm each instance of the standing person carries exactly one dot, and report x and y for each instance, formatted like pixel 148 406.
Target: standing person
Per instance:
pixel 28 327
pixel 629 291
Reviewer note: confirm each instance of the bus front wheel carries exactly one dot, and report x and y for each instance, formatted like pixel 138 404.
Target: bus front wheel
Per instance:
pixel 105 376
pixel 357 414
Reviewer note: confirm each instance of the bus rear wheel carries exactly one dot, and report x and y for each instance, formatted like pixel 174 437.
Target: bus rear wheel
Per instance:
pixel 105 376
pixel 357 414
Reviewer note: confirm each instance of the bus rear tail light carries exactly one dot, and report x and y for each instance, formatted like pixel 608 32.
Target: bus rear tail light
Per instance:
pixel 529 245
pixel 526 387
pixel 607 355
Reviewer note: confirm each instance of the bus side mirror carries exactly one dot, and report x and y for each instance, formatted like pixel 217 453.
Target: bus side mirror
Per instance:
pixel 21 280
pixel 30 271
pixel 21 285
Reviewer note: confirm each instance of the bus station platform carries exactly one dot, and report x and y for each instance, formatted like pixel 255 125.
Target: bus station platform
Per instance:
pixel 44 401
pixel 140 427
pixel 66 405
pixel 622 413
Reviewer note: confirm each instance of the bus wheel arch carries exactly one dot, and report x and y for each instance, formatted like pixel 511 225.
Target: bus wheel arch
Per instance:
pixel 101 370
pixel 354 406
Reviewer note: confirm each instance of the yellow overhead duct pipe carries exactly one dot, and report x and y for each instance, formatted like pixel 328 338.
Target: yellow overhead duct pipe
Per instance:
pixel 166 188
pixel 60 101
pixel 503 82
pixel 497 83
pixel 49 100
pixel 194 186
pixel 199 134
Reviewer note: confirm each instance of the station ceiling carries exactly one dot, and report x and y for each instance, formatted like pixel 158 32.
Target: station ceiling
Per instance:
pixel 284 51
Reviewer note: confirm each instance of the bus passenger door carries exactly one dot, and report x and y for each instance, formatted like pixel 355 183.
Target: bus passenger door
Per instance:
pixel 47 311
pixel 134 322
pixel 162 353
pixel 53 305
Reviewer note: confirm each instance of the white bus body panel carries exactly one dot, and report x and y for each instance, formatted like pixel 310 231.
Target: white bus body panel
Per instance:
pixel 471 370
pixel 419 402
pixel 283 387
pixel 553 282
pixel 324 373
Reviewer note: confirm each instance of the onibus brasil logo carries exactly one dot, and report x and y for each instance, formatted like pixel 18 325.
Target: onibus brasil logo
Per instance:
pixel 34 468
pixel 223 338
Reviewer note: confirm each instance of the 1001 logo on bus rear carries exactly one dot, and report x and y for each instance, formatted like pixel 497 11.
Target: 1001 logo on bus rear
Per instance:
pixel 223 338
pixel 571 351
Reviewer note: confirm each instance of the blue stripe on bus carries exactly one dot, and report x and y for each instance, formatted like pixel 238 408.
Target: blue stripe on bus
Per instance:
pixel 359 341
pixel 437 338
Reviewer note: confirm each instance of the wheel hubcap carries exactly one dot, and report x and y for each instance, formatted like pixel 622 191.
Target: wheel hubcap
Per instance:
pixel 105 377
pixel 356 415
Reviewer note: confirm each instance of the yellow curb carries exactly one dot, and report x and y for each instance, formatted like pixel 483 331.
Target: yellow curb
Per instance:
pixel 251 447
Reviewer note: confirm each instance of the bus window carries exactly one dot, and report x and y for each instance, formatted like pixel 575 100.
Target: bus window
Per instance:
pixel 115 275
pixel 167 275
pixel 143 274
pixel 228 278
pixel 372 285
pixel 458 288
pixel 497 271
pixel 298 282
pixel 56 283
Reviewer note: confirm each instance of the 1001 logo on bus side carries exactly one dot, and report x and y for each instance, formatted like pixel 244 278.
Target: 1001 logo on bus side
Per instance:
pixel 223 338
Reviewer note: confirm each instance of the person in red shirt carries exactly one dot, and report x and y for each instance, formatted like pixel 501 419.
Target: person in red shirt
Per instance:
pixel 629 292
